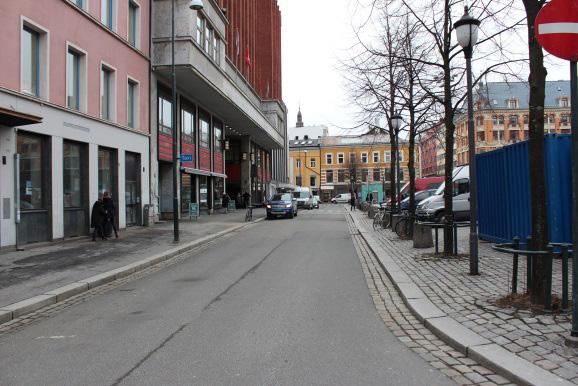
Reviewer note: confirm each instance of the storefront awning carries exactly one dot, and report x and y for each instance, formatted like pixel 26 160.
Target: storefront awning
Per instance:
pixel 14 118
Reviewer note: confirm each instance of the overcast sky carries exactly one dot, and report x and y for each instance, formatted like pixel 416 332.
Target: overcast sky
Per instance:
pixel 316 35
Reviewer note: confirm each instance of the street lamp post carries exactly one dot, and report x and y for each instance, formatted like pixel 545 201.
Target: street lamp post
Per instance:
pixel 195 5
pixel 467 34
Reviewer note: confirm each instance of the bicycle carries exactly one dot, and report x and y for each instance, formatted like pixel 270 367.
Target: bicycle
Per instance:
pixel 381 219
pixel 404 227
pixel 249 213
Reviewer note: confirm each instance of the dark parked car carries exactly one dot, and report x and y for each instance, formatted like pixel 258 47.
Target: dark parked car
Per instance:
pixel 419 197
pixel 283 205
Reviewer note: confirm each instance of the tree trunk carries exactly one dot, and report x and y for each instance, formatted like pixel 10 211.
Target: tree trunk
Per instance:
pixel 537 80
pixel 449 168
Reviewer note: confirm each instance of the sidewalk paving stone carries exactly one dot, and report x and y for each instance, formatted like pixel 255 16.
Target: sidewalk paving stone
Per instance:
pixel 468 299
pixel 62 269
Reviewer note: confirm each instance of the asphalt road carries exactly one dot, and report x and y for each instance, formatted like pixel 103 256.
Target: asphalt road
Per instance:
pixel 282 303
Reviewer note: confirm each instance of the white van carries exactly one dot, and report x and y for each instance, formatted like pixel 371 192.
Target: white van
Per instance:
pixel 341 198
pixel 304 197
pixel 432 208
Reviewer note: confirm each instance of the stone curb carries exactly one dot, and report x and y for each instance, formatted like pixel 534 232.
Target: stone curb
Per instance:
pixel 456 335
pixel 16 310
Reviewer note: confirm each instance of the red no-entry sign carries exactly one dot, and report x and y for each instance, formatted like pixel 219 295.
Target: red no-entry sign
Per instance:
pixel 557 28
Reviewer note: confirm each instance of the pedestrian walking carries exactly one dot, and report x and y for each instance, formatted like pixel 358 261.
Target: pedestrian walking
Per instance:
pixel 371 198
pixel 226 200
pixel 352 201
pixel 110 210
pixel 246 199
pixel 97 219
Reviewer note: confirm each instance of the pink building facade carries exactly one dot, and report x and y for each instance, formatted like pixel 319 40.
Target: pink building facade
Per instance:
pixel 74 115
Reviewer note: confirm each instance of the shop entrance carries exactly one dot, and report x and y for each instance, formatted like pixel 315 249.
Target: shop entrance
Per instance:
pixel 75 189
pixel 132 189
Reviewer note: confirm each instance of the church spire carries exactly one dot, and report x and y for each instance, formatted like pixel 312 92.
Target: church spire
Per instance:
pixel 299 118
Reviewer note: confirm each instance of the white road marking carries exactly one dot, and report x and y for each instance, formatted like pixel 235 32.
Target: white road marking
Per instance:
pixel 57 337
pixel 558 28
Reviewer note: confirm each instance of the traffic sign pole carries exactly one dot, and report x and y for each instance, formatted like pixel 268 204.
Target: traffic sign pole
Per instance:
pixel 574 107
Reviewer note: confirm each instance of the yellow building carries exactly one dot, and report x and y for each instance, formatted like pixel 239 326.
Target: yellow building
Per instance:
pixel 339 164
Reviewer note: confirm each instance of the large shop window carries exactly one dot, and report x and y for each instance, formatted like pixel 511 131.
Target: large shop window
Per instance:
pixel 72 175
pixel 106 171
pixel 32 190
pixel 188 126
pixel 205 131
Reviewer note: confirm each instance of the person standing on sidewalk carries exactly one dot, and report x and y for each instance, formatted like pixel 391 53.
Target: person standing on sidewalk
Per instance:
pixel 352 200
pixel 246 199
pixel 110 210
pixel 226 200
pixel 97 218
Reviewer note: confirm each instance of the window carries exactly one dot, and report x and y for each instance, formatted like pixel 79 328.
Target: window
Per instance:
pixel 165 115
pixel 461 186
pixel 479 121
pixel 205 130
pixel 375 157
pixel 32 171
pixel 513 120
pixel 364 158
pixel 340 158
pixel 564 120
pixel 525 119
pixel 341 175
pixel 564 102
pixel 298 180
pixel 352 158
pixel 387 156
pixel 298 163
pixel 312 181
pixel 133 23
pixel 217 136
pixel 497 135
pixel 132 103
pixel 106 93
pixel 512 103
pixel 201 31
pixel 481 136
pixel 106 170
pixel 30 61
pixel 400 155
pixel 386 175
pixel 72 175
pixel 376 175
pixel 312 162
pixel 216 48
pixel 208 38
pixel 79 3
pixel 329 159
pixel 73 79
pixel 107 13
pixel 329 176
pixel 364 174
pixel 188 126
pixel 514 136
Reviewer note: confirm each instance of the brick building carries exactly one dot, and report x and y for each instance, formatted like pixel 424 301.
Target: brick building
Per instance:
pixel 228 68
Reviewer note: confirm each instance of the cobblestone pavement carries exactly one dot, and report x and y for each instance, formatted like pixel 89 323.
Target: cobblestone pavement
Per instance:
pixel 536 338
pixel 401 322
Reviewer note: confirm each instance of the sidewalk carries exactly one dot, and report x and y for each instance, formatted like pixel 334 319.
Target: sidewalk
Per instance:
pixel 457 307
pixel 40 269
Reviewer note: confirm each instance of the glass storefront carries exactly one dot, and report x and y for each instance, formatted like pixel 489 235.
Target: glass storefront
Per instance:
pixel 106 171
pixel 204 191
pixel 72 175
pixel 219 189
pixel 31 173
pixel 186 191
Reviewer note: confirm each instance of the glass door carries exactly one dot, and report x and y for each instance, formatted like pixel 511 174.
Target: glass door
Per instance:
pixel 75 187
pixel 132 188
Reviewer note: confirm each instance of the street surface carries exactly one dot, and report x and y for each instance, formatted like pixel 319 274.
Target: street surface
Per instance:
pixel 282 302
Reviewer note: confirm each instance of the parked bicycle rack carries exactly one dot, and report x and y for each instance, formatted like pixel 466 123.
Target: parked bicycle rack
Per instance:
pixel 563 250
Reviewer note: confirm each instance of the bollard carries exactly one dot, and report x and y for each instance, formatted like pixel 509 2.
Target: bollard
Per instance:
pixel 565 278
pixel 515 266
pixel 455 239
pixel 548 279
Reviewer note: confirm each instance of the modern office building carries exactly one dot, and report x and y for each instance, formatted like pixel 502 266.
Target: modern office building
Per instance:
pixel 74 116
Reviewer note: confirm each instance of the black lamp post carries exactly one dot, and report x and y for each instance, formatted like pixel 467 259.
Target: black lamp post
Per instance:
pixel 195 5
pixel 467 34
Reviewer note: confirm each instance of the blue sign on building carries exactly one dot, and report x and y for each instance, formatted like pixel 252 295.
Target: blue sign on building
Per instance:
pixel 186 158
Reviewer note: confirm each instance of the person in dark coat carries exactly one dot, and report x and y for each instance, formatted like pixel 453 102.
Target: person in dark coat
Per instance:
pixel 110 210
pixel 226 200
pixel 246 199
pixel 98 218
pixel 352 200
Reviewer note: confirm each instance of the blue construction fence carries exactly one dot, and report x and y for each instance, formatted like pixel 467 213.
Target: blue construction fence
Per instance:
pixel 504 187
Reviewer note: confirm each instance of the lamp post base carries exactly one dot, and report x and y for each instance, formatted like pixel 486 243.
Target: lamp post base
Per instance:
pixel 571 341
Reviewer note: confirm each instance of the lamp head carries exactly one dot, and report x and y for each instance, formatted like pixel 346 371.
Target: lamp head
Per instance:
pixel 196 5
pixel 396 121
pixel 467 30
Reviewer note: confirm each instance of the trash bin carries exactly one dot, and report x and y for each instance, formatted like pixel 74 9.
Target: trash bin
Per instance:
pixel 145 215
